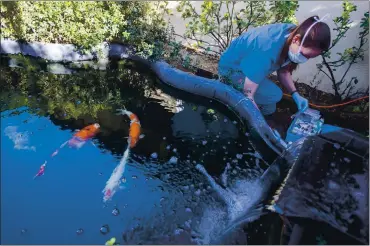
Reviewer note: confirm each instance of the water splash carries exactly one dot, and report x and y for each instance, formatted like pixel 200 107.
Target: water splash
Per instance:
pixel 114 181
pixel 240 199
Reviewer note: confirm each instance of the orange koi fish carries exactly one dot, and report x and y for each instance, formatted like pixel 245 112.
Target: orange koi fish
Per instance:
pixel 80 138
pixel 135 127
pixel 77 141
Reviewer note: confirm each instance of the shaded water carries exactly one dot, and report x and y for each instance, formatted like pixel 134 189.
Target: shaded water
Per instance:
pixel 162 197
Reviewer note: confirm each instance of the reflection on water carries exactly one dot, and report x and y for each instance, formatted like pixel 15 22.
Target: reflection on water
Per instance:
pixel 165 198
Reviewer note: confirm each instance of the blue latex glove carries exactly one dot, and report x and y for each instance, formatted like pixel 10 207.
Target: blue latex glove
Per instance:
pixel 302 103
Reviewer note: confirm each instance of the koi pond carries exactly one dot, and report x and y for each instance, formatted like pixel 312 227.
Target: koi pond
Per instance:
pixel 162 198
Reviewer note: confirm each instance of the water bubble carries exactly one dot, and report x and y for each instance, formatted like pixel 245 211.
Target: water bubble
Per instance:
pixel 168 147
pixel 164 138
pixel 188 156
pixel 173 160
pixel 188 223
pixel 134 177
pixel 23 231
pixel 347 160
pixel 188 210
pixel 333 185
pixel 115 212
pixel 204 142
pixel 246 134
pixel 235 172
pixel 228 142
pixel 123 180
pixel 337 145
pixel 234 122
pixel 174 150
pixel 178 231
pixel 197 192
pixel 217 136
pixel 79 231
pixel 162 199
pixel 141 136
pixel 154 155
pixel 207 130
pixel 104 229
pixel 100 174
pixel 234 161
pixel 239 156
pixel 186 187
pixel 332 164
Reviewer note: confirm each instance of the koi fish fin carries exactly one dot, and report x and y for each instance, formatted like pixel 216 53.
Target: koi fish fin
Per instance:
pixel 64 144
pixel 93 144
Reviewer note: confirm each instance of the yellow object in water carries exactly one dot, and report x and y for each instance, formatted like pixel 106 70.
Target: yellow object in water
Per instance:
pixel 111 241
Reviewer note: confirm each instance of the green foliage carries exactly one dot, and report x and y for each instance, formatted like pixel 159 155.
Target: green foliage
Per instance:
pixel 221 21
pixel 344 87
pixel 284 11
pixel 85 23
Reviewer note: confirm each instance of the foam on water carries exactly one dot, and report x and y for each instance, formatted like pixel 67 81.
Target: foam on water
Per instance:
pixel 20 139
pixel 115 179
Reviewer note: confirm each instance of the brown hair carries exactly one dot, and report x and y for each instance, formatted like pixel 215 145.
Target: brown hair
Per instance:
pixel 318 37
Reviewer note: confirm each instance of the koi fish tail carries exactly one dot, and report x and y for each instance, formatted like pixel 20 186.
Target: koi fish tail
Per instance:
pixel 58 149
pixel 41 170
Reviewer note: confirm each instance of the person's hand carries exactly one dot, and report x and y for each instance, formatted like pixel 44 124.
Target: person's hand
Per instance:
pixel 302 103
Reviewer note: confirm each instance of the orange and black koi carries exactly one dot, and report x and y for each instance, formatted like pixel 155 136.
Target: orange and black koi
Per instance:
pixel 77 141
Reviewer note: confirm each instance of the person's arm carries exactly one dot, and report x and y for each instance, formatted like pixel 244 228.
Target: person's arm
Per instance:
pixel 286 80
pixel 250 89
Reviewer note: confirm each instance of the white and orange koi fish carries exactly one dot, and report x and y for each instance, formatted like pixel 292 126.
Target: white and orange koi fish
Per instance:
pixel 134 136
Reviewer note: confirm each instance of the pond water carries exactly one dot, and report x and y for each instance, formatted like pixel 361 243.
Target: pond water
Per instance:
pixel 163 198
pixel 166 193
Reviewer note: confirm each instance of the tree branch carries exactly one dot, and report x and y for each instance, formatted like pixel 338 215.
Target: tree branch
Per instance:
pixel 332 78
pixel 355 56
pixel 195 39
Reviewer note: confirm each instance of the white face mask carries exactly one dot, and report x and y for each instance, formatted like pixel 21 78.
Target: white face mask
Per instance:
pixel 298 57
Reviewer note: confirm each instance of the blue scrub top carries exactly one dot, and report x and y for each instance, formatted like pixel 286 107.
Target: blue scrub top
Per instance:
pixel 256 52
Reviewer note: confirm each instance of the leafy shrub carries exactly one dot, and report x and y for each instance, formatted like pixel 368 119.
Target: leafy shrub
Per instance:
pixel 85 23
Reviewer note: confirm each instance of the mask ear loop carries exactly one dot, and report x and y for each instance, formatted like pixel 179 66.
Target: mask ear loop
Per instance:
pixel 308 30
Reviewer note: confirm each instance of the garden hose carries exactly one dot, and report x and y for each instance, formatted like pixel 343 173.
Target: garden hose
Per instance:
pixel 334 105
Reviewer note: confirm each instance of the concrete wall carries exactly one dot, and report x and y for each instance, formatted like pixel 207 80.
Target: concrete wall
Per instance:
pixel 306 9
